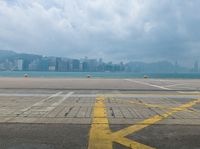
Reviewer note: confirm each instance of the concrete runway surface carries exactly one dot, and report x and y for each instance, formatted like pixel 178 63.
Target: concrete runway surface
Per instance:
pixel 40 113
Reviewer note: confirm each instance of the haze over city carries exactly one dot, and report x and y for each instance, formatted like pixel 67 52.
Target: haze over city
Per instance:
pixel 116 31
pixel 99 74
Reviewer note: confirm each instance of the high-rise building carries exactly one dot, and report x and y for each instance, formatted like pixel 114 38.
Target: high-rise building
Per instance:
pixel 196 66
pixel 92 65
pixel 75 65
pixel 63 66
pixel 33 66
pixel 52 64
pixel 26 65
pixel 20 64
pixel 58 63
pixel 44 64
pixel 85 66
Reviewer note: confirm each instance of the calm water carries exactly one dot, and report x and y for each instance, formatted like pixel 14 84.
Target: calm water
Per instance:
pixel 98 74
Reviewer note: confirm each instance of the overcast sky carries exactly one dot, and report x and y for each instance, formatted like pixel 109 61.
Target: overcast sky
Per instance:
pixel 145 30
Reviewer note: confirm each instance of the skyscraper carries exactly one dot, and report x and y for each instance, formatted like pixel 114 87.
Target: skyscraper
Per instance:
pixel 20 64
pixel 196 66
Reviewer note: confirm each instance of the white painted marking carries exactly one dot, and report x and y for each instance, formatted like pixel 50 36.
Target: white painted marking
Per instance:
pixel 189 92
pixel 63 99
pixel 188 88
pixel 54 105
pixel 23 95
pixel 41 102
pixel 49 107
pixel 144 83
pixel 43 95
pixel 174 85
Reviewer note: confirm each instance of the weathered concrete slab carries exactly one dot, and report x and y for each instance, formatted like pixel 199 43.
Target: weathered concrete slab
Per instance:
pixel 62 118
pixel 121 110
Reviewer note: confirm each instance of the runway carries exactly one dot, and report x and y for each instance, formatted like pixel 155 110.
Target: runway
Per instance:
pixel 99 113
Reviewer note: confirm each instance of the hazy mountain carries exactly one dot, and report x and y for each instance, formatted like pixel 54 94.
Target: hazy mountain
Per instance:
pixel 6 54
pixel 155 67
pixel 10 55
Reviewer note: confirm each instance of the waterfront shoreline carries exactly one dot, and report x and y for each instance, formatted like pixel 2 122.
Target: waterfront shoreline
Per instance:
pixel 123 75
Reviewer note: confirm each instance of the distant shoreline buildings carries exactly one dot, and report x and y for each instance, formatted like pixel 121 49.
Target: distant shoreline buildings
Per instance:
pixel 59 64
pixel 28 62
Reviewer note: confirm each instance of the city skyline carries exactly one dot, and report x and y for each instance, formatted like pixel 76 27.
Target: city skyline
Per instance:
pixel 10 60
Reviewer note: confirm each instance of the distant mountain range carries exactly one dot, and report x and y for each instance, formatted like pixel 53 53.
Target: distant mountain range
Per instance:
pixel 155 67
pixel 10 55
pixel 6 54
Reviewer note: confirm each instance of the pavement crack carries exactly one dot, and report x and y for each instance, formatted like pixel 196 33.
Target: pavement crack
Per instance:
pixel 112 112
pixel 70 109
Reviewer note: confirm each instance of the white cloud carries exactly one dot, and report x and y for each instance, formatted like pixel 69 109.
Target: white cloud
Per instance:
pixel 118 30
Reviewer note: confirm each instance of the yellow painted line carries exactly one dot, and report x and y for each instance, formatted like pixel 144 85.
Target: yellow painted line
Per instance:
pixel 154 119
pixel 148 105
pixel 161 106
pixel 101 137
pixel 154 105
pixel 100 131
pixel 131 143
